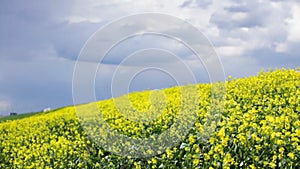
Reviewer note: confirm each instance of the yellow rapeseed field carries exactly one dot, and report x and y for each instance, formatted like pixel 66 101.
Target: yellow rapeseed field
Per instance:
pixel 259 127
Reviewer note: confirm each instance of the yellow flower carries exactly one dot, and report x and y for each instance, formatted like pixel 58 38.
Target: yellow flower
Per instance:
pixel 197 150
pixel 291 155
pixel 79 165
pixel 221 133
pixel 281 150
pixel 137 165
pixel 196 162
pixel 169 153
pixel 252 166
pixel 258 147
pixel 97 165
pixel 192 140
pixel 206 157
pixel 154 161
pixel 228 159
pixel 272 165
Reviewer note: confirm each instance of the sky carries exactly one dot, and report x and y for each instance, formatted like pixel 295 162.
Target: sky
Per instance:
pixel 41 41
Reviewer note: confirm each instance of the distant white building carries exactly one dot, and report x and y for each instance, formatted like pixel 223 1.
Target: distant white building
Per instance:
pixel 46 109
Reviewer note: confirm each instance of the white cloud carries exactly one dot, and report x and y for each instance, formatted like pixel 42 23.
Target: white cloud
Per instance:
pixel 294 24
pixel 281 47
pixel 230 50
pixel 80 19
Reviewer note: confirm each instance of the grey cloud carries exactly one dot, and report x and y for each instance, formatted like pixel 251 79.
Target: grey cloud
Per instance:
pixel 260 25
pixel 129 46
pixel 255 14
pixel 38 27
pixel 66 40
pixel 237 8
pixel 121 36
pixel 268 57
pixel 196 3
pixel 203 3
pixel 225 19
pixel 30 40
pixel 256 27
pixel 186 3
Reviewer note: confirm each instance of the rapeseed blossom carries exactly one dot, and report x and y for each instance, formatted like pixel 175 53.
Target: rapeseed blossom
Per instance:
pixel 259 127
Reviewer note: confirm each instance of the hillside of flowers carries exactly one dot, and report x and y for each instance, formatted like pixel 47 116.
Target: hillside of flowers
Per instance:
pixel 258 126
